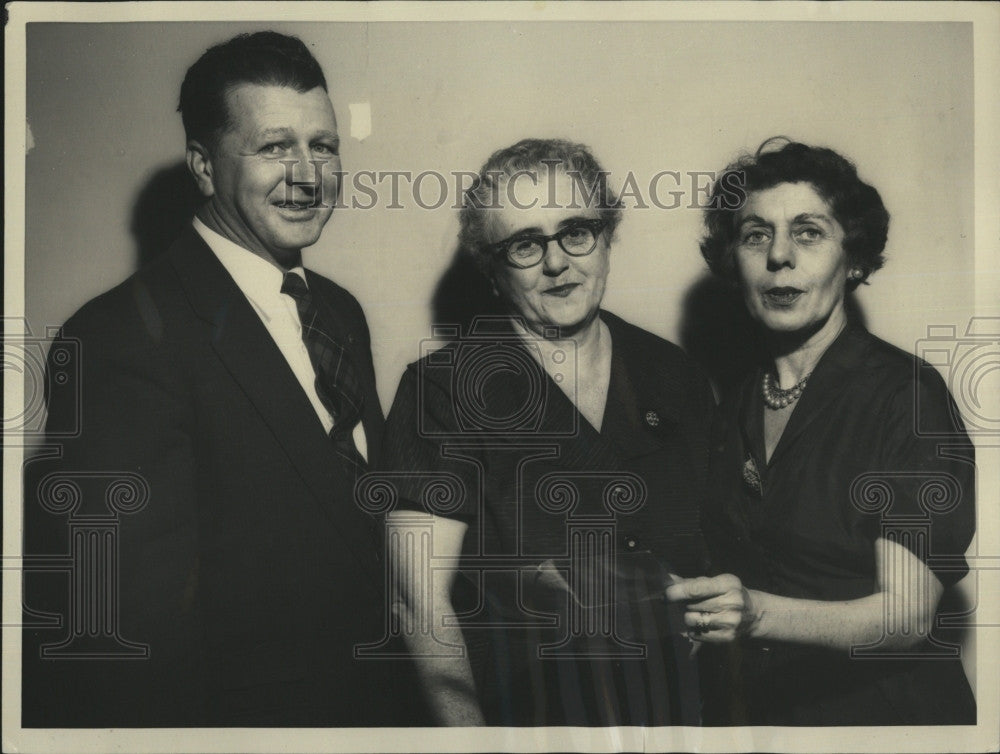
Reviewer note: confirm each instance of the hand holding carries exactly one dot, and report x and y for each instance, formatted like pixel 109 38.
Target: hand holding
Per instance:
pixel 718 608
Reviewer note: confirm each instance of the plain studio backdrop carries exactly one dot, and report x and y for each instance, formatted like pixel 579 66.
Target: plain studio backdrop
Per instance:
pixel 105 144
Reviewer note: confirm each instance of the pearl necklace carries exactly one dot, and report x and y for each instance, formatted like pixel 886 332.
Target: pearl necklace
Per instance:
pixel 775 397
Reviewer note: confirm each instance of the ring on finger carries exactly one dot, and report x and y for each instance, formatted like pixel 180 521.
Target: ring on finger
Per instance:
pixel 703 621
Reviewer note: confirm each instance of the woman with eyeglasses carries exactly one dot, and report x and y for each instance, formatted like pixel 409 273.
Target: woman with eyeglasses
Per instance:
pixel 573 446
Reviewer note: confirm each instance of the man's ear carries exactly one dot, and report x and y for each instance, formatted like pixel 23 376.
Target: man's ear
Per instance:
pixel 200 165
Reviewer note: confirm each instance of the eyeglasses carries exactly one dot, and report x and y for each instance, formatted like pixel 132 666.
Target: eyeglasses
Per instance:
pixel 525 250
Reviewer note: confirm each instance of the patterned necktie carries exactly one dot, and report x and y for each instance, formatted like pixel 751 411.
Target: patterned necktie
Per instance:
pixel 336 380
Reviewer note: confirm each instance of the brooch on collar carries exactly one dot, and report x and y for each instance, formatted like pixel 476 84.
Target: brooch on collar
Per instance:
pixel 751 476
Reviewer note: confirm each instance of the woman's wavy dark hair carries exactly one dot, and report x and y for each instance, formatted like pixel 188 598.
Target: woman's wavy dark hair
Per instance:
pixel 530 155
pixel 856 205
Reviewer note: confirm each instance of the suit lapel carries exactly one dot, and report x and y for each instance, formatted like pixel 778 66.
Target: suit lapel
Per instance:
pixel 250 355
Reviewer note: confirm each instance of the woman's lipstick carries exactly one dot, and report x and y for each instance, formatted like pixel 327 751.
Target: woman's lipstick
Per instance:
pixel 783 296
pixel 561 290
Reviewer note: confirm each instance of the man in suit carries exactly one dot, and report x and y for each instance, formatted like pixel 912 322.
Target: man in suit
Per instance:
pixel 234 393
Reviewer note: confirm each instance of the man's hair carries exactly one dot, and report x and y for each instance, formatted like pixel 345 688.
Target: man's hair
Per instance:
pixel 265 58
pixel 534 156
pixel 856 205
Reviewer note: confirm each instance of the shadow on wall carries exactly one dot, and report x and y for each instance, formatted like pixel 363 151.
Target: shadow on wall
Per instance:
pixel 462 294
pixel 163 207
pixel 717 331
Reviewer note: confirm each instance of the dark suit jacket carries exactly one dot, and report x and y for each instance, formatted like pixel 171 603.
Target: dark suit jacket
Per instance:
pixel 250 573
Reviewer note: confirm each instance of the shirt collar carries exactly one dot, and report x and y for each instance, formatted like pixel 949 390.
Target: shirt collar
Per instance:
pixel 259 280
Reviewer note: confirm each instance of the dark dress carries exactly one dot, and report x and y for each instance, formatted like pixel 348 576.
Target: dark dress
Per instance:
pixel 572 532
pixel 874 448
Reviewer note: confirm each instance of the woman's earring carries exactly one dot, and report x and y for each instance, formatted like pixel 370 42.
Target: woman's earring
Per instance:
pixel 855 274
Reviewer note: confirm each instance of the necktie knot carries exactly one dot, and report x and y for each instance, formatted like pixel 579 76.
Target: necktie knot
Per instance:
pixel 295 286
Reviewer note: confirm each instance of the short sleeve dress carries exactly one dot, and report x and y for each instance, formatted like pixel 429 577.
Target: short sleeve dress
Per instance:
pixel 875 447
pixel 573 533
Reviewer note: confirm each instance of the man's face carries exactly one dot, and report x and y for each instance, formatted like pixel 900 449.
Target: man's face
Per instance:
pixel 265 193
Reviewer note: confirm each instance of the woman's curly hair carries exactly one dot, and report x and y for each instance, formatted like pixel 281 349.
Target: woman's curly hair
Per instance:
pixel 527 156
pixel 856 205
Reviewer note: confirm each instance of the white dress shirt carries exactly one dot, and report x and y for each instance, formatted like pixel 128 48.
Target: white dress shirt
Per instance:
pixel 260 281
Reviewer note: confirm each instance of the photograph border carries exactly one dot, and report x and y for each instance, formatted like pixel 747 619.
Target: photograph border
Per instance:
pixel 985 18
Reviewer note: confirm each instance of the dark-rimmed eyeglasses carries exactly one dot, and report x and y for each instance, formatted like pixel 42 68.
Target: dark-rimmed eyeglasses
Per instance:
pixel 525 250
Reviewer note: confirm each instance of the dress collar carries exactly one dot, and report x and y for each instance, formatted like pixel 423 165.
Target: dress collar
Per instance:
pixel 640 412
pixel 829 378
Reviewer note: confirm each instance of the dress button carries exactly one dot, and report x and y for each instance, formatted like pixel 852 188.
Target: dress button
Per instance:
pixel 631 543
pixel 652 419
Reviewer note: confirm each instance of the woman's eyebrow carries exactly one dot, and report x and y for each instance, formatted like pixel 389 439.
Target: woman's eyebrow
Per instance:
pixel 534 230
pixel 812 216
pixel 574 220
pixel 754 219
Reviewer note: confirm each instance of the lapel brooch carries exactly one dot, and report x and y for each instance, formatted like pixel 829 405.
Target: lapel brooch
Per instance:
pixel 751 476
